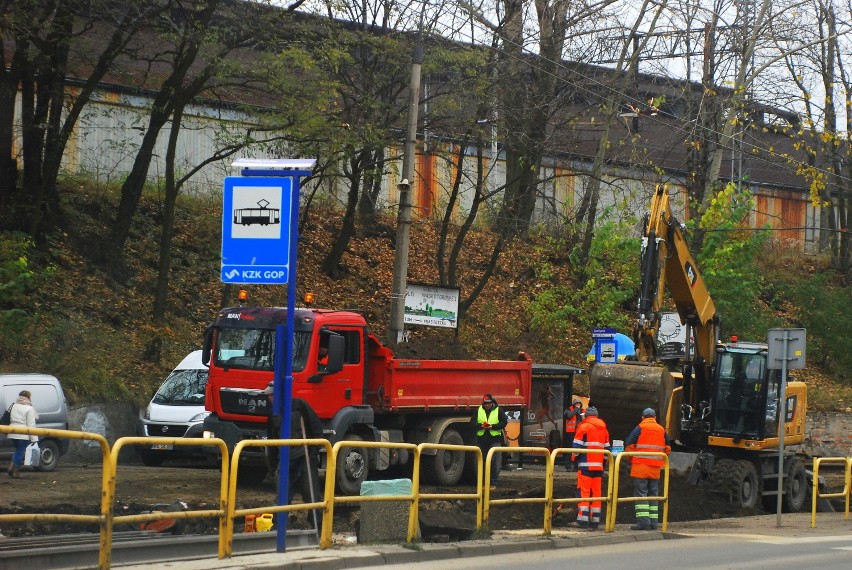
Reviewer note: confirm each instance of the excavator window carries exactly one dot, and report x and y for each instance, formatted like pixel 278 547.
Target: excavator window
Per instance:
pixel 774 386
pixel 739 409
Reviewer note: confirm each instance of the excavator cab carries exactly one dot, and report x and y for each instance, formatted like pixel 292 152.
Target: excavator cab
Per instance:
pixel 745 398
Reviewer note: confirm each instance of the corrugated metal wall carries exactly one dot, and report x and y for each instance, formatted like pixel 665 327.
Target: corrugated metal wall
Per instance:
pixel 109 133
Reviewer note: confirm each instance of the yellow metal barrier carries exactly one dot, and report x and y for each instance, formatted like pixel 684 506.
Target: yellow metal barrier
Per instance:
pixel 331 467
pixel 487 501
pixel 610 525
pixel 233 512
pixel 227 501
pixel 109 493
pixel 415 483
pixel 106 503
pixel 548 513
pixel 847 487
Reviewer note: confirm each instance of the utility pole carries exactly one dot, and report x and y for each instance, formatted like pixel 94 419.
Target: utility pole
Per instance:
pixel 396 331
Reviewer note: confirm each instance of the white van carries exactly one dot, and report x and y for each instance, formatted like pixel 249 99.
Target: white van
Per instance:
pixel 176 410
pixel 49 402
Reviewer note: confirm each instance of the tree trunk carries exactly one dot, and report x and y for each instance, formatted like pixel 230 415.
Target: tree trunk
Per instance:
pixel 367 211
pixel 166 230
pixel 131 190
pixel 331 263
pixel 10 78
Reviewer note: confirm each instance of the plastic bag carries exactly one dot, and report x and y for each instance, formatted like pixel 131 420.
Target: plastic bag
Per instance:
pixel 32 456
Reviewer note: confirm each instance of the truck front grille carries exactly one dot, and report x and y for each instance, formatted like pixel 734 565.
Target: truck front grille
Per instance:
pixel 244 403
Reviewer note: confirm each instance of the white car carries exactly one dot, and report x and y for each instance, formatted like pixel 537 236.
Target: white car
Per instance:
pixel 176 410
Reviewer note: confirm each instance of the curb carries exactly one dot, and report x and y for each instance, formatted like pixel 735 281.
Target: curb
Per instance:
pixel 379 555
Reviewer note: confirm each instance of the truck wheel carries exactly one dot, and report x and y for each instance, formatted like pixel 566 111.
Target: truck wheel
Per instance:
pixel 353 466
pixel 795 488
pixel 738 478
pixel 446 466
pixel 744 484
pixel 49 455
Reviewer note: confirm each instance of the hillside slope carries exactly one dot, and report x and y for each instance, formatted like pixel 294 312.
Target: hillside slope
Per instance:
pixel 96 333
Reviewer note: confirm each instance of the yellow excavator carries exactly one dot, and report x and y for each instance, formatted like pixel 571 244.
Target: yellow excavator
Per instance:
pixel 723 404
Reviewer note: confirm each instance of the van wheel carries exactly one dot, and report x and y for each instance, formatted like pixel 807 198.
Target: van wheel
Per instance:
pixel 49 455
pixel 151 459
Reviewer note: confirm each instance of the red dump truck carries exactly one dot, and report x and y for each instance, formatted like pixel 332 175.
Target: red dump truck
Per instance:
pixel 362 392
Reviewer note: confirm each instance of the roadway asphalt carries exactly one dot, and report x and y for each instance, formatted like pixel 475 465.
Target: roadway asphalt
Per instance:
pixel 503 542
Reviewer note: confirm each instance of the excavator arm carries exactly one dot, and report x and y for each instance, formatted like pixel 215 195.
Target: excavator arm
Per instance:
pixel 666 260
pixel 622 391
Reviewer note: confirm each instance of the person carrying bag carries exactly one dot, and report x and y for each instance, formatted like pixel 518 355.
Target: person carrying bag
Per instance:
pixel 22 415
pixel 32 455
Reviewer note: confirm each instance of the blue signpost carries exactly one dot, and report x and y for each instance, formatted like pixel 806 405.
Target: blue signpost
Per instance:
pixel 258 248
pixel 606 350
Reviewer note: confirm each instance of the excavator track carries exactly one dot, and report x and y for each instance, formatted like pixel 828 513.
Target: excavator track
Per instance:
pixel 622 391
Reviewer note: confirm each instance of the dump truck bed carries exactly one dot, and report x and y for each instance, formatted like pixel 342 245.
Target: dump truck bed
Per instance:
pixel 397 384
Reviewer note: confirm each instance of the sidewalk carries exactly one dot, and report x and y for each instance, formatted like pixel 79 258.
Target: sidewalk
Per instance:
pixel 503 542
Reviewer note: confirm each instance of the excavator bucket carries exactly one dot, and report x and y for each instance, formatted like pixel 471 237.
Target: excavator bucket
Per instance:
pixel 621 391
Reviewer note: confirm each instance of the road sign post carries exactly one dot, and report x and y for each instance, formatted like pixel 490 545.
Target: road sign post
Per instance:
pixel 606 348
pixel 786 350
pixel 260 220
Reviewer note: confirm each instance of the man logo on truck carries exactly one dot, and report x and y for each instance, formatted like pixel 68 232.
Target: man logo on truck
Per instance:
pixel 252 404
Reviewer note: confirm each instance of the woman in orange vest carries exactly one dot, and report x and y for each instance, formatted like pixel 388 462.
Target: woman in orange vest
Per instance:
pixel 592 434
pixel 645 470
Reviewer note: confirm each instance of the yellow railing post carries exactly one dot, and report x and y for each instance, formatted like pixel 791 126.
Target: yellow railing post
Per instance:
pixel 106 505
pixel 414 510
pixel 477 497
pixel 847 485
pixel 328 515
pixel 549 475
pixel 109 488
pixel 611 513
pixel 233 512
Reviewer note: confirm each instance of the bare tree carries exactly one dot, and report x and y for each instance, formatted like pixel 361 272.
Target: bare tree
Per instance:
pixel 825 138
pixel 370 61
pixel 43 37
pixel 587 213
pixel 185 30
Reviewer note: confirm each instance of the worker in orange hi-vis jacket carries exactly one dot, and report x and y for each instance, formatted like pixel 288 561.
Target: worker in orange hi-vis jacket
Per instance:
pixel 645 470
pixel 591 435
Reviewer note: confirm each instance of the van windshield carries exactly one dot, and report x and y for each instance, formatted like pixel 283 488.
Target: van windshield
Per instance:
pixel 183 388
